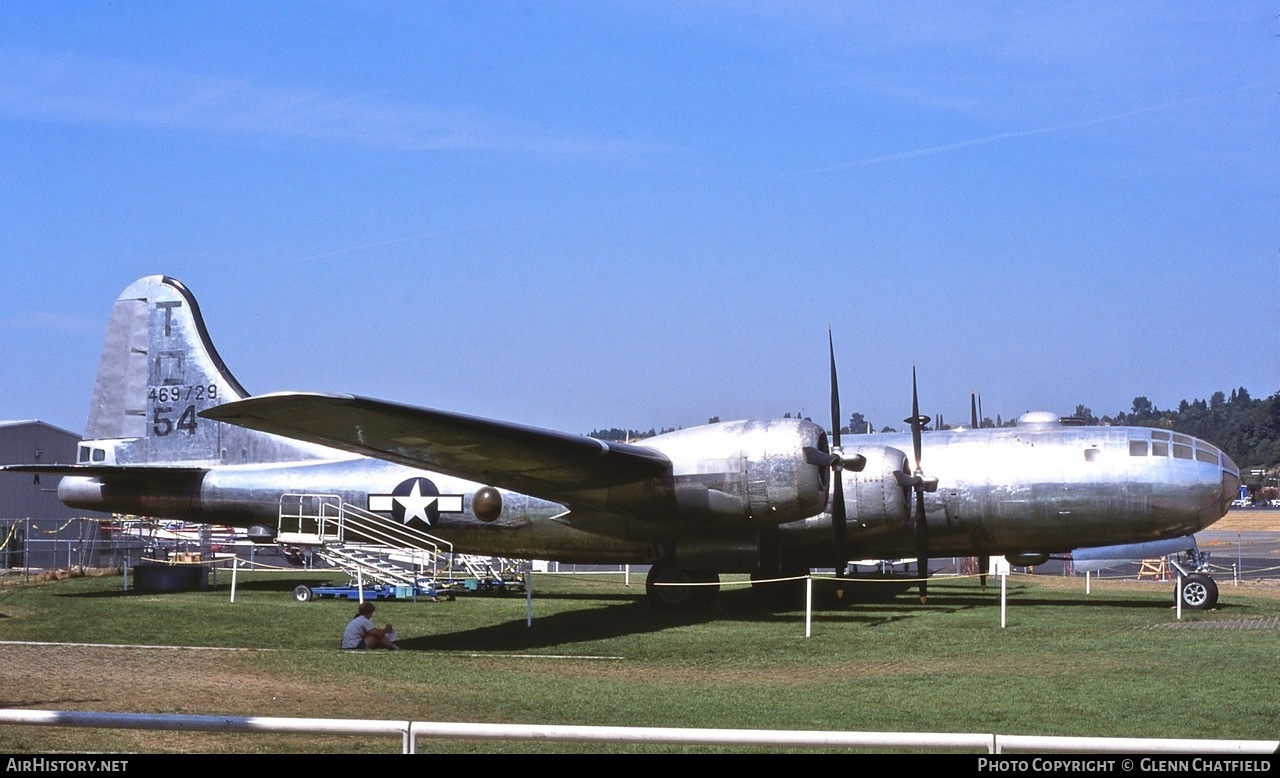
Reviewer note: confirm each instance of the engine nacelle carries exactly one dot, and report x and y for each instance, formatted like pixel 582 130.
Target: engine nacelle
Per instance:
pixel 752 473
pixel 873 497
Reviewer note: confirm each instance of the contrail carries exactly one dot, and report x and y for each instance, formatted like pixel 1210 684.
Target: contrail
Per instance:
pixel 1024 133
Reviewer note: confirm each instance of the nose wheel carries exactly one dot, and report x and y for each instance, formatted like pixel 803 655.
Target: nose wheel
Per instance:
pixel 1198 592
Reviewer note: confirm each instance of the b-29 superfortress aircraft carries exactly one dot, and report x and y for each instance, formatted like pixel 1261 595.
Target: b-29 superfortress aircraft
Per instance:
pixel 172 434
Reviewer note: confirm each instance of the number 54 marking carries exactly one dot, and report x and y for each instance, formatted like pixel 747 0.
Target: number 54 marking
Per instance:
pixel 162 421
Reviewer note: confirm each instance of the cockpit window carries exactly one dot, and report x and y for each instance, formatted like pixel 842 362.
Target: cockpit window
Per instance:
pixel 1183 439
pixel 83 455
pixel 99 455
pixel 1205 455
pixel 1159 435
pixel 1159 449
pixel 1181 452
pixel 1137 448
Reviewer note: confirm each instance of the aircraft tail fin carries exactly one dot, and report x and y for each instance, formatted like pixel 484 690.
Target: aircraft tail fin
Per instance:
pixel 158 371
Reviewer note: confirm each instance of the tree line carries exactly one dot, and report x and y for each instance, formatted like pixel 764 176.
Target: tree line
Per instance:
pixel 1247 429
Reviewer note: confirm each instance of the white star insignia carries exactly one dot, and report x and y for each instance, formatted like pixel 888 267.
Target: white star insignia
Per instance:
pixel 415 503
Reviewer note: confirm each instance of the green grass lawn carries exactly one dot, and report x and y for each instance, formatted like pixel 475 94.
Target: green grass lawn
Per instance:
pixel 1115 662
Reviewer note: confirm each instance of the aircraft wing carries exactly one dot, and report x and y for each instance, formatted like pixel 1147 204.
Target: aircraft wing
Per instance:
pixel 539 462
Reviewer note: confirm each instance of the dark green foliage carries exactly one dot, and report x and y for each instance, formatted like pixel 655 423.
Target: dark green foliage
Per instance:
pixel 1247 429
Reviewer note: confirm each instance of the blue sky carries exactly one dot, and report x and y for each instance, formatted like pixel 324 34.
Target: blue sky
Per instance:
pixel 581 214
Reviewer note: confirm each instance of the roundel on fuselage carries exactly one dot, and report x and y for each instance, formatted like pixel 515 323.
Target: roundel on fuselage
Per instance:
pixel 416 502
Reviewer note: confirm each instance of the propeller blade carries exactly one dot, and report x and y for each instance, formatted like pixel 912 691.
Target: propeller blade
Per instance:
pixel 839 518
pixel 839 523
pixel 835 393
pixel 814 456
pixel 922 547
pixel 917 422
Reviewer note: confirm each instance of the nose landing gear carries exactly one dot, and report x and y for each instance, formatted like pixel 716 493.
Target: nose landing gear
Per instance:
pixel 1196 590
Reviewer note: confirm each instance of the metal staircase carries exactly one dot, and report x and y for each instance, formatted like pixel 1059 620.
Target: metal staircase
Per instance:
pixel 368 563
pixel 359 542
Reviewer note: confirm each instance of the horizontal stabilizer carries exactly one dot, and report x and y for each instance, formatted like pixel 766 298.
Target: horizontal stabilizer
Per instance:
pixel 104 471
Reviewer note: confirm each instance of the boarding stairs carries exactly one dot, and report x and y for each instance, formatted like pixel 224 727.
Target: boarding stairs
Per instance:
pixel 361 543
pixel 370 564
pixel 476 566
pixel 487 573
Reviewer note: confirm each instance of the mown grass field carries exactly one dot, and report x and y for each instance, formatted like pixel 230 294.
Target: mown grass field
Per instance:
pixel 1114 662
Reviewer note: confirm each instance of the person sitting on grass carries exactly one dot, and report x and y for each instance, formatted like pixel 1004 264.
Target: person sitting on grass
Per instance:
pixel 362 634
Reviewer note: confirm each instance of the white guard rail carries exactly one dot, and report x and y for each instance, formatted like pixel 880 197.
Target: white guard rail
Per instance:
pixel 411 732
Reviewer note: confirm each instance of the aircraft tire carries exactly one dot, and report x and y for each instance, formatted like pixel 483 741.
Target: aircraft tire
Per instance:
pixel 1199 592
pixel 770 590
pixel 668 587
pixel 302 593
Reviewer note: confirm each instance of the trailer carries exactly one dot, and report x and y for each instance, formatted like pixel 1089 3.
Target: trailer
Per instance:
pixel 489 584
pixel 424 590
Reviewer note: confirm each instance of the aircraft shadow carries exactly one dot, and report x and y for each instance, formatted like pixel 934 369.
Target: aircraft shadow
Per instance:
pixel 624 614
pixel 630 615
pixel 560 629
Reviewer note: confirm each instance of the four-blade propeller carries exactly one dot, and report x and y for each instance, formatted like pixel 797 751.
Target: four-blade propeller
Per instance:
pixel 918 483
pixel 837 462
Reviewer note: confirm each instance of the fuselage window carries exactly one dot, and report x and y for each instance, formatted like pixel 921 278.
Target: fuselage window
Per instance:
pixel 1091 454
pixel 1159 449
pixel 1137 448
pixel 1181 452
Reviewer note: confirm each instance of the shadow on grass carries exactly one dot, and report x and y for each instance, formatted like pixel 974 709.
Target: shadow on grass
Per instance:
pixel 619 615
pixel 565 628
pixel 622 615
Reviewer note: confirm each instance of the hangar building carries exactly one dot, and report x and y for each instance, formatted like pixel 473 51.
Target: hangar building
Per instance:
pixel 36 529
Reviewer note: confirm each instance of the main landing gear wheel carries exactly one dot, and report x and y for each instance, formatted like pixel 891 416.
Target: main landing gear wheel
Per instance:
pixel 302 593
pixel 673 588
pixel 768 588
pixel 1199 592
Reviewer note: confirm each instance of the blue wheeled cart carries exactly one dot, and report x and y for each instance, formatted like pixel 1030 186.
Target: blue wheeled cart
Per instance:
pixel 424 590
